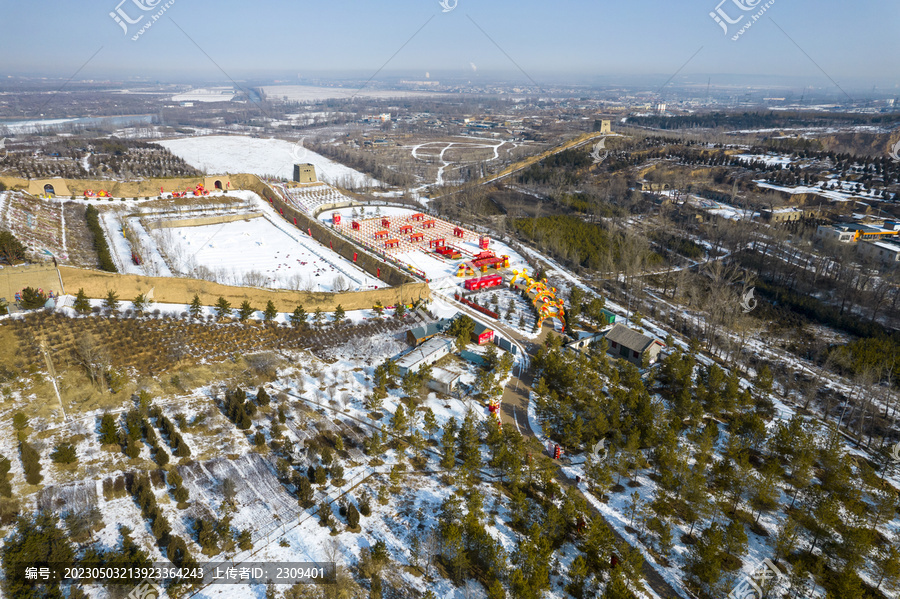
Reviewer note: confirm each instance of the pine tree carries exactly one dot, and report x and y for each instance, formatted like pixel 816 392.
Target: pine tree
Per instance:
pixel 270 312
pixel 325 514
pixel 132 450
pixel 399 422
pixel 5 484
pixel 37 538
pixel 578 573
pixel 339 314
pixel 181 448
pixel 160 456
pixel 32 298
pixel 352 516
pixel 304 492
pixel 195 309
pixel 887 567
pixel 617 589
pixel 245 540
pixel 467 444
pixel 82 305
pixel 111 302
pixel 262 397
pixel 705 560
pixel 321 477
pixel 31 463
pixel 223 308
pixel 431 425
pixel 109 432
pixel 245 311
pixel 735 539
pixel 140 303
pixel 180 494
pixel 448 443
pixel 298 318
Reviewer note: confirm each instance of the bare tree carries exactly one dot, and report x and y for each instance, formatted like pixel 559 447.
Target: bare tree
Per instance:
pixel 93 357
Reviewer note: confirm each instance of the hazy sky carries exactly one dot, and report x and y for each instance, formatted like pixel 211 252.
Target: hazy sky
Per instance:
pixel 856 43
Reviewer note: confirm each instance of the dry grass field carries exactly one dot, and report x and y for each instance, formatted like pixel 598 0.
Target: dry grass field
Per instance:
pixel 164 355
pixel 97 284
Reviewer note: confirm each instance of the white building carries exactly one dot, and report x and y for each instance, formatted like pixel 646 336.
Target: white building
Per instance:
pixel 426 354
pixel 885 251
pixel 835 233
pixel 443 380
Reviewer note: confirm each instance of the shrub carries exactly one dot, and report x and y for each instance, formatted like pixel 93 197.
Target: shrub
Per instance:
pixel 245 540
pixel 174 479
pixel 64 453
pixel 20 421
pixel 180 494
pixel 132 449
pixel 160 456
pixel 181 448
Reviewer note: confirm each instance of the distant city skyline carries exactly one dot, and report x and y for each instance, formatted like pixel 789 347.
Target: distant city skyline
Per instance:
pixel 526 42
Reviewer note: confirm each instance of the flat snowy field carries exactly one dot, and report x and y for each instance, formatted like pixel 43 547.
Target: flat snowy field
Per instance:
pixel 264 252
pixel 264 157
pixel 286 259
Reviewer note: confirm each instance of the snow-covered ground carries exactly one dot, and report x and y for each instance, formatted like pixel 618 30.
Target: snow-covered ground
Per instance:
pixel 769 159
pixel 309 93
pixel 258 252
pixel 22 127
pixel 264 157
pixel 844 193
pixel 215 94
pixel 720 208
pixel 287 260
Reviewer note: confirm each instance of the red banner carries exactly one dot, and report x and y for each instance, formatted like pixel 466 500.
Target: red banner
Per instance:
pixel 379 273
pixel 310 232
pixel 331 243
pixel 354 256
